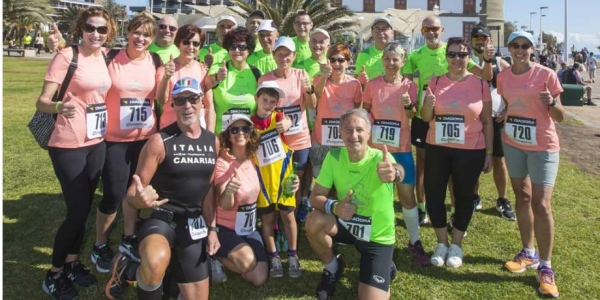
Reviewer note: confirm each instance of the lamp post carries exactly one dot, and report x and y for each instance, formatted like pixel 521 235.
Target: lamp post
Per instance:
pixel 541 31
pixel 531 15
pixel 566 53
pixel 496 28
pixel 516 28
pixel 436 9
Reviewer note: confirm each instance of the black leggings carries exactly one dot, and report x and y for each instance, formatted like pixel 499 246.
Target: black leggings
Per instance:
pixel 119 165
pixel 464 166
pixel 78 171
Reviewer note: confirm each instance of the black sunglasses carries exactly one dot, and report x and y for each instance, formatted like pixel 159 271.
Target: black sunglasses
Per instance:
pixel 453 54
pixel 188 42
pixel 522 46
pixel 236 130
pixel 171 28
pixel 179 101
pixel 239 47
pixel 339 59
pixel 89 28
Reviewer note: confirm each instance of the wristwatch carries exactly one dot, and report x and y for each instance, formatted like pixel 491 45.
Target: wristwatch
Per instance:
pixel 398 177
pixel 215 229
pixel 311 91
pixel 554 101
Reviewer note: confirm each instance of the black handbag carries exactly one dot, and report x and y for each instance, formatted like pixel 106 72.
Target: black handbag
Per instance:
pixel 42 124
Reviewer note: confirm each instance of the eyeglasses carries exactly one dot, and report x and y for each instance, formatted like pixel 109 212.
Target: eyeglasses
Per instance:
pixel 301 23
pixel 340 60
pixel 433 29
pixel 180 101
pixel 381 29
pixel 89 28
pixel 236 130
pixel 164 27
pixel 240 47
pixel 522 46
pixel 480 38
pixel 188 42
pixel 453 54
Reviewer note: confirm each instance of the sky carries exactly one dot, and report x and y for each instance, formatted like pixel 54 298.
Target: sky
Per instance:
pixel 583 20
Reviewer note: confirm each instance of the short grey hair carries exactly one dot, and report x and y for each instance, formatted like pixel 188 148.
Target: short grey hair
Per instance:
pixel 394 47
pixel 361 113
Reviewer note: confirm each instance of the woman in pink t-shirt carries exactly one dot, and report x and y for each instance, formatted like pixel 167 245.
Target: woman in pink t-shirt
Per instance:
pixel 531 93
pixel 236 183
pixel 459 145
pixel 76 146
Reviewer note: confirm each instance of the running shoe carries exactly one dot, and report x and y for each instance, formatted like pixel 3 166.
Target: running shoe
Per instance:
pixel 439 255
pixel 79 274
pixel 545 276
pixel 294 269
pixel 450 225
pixel 477 203
pixel 418 254
pixel 423 218
pixel 326 287
pixel 122 274
pixel 455 256
pixel 102 257
pixel 505 210
pixel 276 270
pixel 522 262
pixel 129 246
pixel 59 287
pixel 217 271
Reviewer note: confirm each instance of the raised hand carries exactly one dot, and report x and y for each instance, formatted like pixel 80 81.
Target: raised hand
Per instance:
pixel 326 69
pixel 233 185
pixel 170 67
pixel 345 209
pixel 222 72
pixel 283 123
pixel 489 51
pixel 145 196
pixel 385 168
pixel 305 82
pixel 209 58
pixel 406 99
pixel 429 99
pixel 545 95
pixel 363 78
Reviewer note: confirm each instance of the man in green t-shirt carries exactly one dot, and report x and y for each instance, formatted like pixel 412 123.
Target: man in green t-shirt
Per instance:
pixel 252 23
pixel 165 37
pixel 263 59
pixel 302 26
pixel 215 53
pixel 364 179
pixel 368 63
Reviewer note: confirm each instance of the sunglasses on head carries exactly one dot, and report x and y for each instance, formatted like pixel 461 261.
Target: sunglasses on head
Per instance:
pixel 171 28
pixel 89 28
pixel 237 129
pixel 433 29
pixel 522 46
pixel 239 47
pixel 341 60
pixel 188 42
pixel 179 101
pixel 453 54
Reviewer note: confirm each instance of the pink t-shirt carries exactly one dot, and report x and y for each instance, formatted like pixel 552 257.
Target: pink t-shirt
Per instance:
pixel 242 217
pixel 529 125
pixel 390 124
pixel 195 70
pixel 130 100
pixel 293 105
pixel 89 86
pixel 456 122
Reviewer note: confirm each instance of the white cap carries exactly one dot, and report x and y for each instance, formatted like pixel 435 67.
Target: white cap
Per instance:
pixel 227 17
pixel 285 41
pixel 268 25
pixel 382 19
pixel 271 84
pixel 319 30
pixel 236 117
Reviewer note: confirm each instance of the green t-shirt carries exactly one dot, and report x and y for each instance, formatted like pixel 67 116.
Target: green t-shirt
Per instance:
pixel 302 52
pixel 164 53
pixel 258 46
pixel 264 62
pixel 312 67
pixel 371 58
pixel 234 95
pixel 374 199
pixel 219 53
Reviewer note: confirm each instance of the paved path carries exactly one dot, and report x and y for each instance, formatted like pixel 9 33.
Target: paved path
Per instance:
pixel 588 115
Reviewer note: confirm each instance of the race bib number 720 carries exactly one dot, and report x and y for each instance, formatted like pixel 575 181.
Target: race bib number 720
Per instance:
pixel 521 130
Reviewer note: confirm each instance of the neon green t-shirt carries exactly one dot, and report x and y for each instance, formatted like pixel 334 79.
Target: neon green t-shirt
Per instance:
pixel 371 59
pixel 374 219
pixel 164 53
pixel 312 67
pixel 219 53
pixel 258 46
pixel 234 95
pixel 264 62
pixel 302 52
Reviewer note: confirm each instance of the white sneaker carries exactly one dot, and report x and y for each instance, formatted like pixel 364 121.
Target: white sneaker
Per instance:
pixel 455 256
pixel 439 255
pixel 216 271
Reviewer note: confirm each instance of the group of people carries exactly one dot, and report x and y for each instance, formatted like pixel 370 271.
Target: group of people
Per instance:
pixel 196 143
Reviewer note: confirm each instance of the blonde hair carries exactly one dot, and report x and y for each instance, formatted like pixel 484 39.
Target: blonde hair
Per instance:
pixel 144 20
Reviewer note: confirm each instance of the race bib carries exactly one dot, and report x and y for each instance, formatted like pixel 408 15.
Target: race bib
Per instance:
pixel 136 113
pixel 330 133
pixel 227 114
pixel 270 149
pixel 359 227
pixel 95 120
pixel 295 114
pixel 449 129
pixel 521 130
pixel 386 132
pixel 197 228
pixel 245 219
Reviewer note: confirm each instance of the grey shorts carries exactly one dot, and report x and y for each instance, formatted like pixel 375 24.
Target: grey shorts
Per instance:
pixel 317 156
pixel 540 166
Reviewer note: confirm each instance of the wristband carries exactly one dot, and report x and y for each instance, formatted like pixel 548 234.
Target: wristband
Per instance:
pixel 56 106
pixel 329 204
pixel 410 106
pixel 489 152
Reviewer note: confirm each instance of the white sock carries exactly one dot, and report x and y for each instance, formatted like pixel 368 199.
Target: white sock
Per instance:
pixel 332 266
pixel 411 218
pixel 530 252
pixel 546 263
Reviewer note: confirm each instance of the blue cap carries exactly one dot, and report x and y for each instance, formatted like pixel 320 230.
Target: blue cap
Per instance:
pixel 187 84
pixel 516 34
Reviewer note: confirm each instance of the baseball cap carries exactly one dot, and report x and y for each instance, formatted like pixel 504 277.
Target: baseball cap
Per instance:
pixel 227 17
pixel 516 34
pixel 236 117
pixel 323 31
pixel 259 13
pixel 382 19
pixel 187 84
pixel 271 84
pixel 480 30
pixel 268 25
pixel 285 41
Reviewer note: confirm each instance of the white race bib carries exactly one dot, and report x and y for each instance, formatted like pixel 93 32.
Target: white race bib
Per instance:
pixel 359 227
pixel 521 130
pixel 135 113
pixel 95 120
pixel 270 149
pixel 330 133
pixel 295 114
pixel 386 132
pixel 245 219
pixel 197 228
pixel 449 129
pixel 227 114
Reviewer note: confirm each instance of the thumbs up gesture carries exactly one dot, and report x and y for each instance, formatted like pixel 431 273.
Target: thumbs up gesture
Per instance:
pixel 385 168
pixel 429 99
pixel 545 95
pixel 326 69
pixel 345 209
pixel 305 82
pixel 489 49
pixel 67 107
pixel 209 58
pixel 363 78
pixel 233 185
pixel 145 196
pixel 406 99
pixel 222 72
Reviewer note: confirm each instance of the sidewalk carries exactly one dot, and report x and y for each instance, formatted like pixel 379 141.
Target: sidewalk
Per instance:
pixel 588 115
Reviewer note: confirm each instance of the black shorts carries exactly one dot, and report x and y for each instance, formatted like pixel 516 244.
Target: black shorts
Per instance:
pixel 229 240
pixel 418 132
pixel 188 257
pixel 375 259
pixel 498 151
pixel 271 208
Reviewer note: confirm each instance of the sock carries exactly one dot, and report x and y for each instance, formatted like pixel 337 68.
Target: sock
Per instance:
pixel 422 207
pixel 530 252
pixel 411 219
pixel 274 254
pixel 546 263
pixel 291 252
pixel 332 266
pixel 146 291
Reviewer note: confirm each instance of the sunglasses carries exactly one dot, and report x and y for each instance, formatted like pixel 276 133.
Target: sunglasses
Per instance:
pixel 340 60
pixel 522 46
pixel 453 54
pixel 236 130
pixel 480 38
pixel 180 101
pixel 430 29
pixel 164 27
pixel 188 42
pixel 239 47
pixel 89 28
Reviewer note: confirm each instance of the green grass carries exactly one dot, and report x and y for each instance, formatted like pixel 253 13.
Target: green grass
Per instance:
pixel 33 210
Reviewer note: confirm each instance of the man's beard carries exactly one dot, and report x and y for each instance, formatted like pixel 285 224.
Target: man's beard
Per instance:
pixel 478 51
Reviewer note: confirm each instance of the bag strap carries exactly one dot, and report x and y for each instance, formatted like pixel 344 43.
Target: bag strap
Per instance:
pixel 156 60
pixel 70 72
pixel 255 72
pixel 112 53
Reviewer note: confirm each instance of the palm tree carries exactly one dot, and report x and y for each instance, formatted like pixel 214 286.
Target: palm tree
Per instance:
pixel 284 11
pixel 66 20
pixel 19 16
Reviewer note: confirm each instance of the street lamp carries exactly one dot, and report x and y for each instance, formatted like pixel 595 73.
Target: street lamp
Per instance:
pixel 515 27
pixel 541 31
pixel 436 9
pixel 531 15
